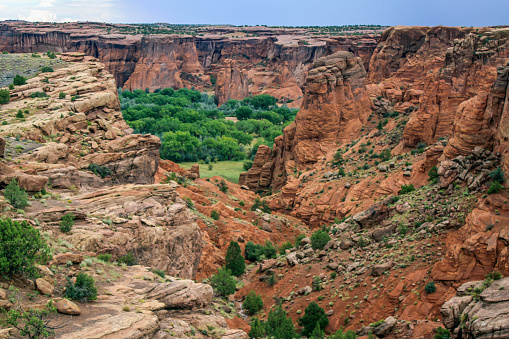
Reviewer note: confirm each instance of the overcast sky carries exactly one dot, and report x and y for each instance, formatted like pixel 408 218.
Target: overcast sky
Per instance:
pixel 264 12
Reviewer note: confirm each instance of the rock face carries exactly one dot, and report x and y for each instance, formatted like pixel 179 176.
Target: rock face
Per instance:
pixel 482 317
pixel 231 83
pixel 272 62
pixel 334 109
pixel 150 222
pixel 87 124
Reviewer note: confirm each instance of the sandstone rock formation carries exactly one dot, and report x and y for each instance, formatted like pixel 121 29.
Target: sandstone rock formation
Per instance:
pixel 334 109
pixel 478 310
pixel 231 83
pixel 274 61
pixel 87 124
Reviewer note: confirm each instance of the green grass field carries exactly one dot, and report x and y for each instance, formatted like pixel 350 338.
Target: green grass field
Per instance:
pixel 229 170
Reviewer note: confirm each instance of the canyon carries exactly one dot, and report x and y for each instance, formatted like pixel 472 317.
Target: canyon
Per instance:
pixel 393 154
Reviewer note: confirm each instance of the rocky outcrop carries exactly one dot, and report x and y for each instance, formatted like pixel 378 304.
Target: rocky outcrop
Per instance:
pixel 334 109
pixel 480 310
pixel 182 294
pixel 85 127
pixel 149 221
pixel 231 83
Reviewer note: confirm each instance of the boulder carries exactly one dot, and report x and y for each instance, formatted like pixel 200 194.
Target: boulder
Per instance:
pixel 386 327
pixel 267 265
pixel 378 270
pixel 66 306
pixel 44 286
pixel 291 259
pixel 182 294
pixel 63 258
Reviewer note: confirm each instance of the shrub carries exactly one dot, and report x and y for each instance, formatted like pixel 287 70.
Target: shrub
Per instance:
pixel 430 287
pixel 252 303
pixel 495 275
pixel 83 289
pixel 442 333
pixel 433 174
pixel 129 259
pixel 406 189
pixel 62 95
pixel 214 215
pixel 253 251
pixel 38 95
pixel 223 282
pixel 299 239
pixel 21 247
pixel 32 323
pixel 317 283
pixel 313 315
pixel 402 229
pixel 16 196
pixel 247 165
pixel 67 222
pixel 269 250
pixel 20 115
pixel 234 260
pixel 223 187
pixel 333 275
pixel 106 257
pixel 51 55
pixel 319 239
pixel 261 204
pixel 98 170
pixel 5 96
pixel 285 246
pixel 47 69
pixel 160 273
pixel 495 187
pixel 19 80
pixel 271 280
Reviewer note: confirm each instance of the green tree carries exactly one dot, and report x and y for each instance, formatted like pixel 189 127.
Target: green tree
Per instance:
pixel 4 96
pixel 257 328
pixel 344 335
pixel 319 239
pixel 313 315
pixel 269 250
pixel 253 251
pixel 279 325
pixel 19 80
pixel 223 282
pixel 83 289
pixel 21 247
pixel 252 303
pixel 20 114
pixel 263 101
pixel 177 144
pixel 318 333
pixel 234 260
pixel 15 195
pixel 243 113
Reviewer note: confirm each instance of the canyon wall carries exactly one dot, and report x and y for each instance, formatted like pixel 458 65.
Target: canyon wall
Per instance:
pixel 271 64
pixel 441 76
